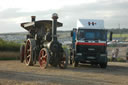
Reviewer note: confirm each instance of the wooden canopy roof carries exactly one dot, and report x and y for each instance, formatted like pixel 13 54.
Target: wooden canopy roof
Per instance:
pixel 37 24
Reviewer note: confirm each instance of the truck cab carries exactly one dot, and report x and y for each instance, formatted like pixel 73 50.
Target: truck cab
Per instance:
pixel 89 43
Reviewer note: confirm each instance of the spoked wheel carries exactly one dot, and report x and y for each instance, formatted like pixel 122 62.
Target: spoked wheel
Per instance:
pixel 22 50
pixel 44 58
pixel 64 61
pixel 28 53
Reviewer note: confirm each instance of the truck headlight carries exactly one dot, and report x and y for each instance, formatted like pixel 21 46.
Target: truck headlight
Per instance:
pixel 103 54
pixel 79 54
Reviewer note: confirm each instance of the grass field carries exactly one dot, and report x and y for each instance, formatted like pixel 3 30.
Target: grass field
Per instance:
pixel 120 35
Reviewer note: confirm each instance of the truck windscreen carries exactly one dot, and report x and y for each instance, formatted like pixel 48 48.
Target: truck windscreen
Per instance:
pixel 92 34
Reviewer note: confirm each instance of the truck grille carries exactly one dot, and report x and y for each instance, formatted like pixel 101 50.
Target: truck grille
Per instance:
pixel 88 49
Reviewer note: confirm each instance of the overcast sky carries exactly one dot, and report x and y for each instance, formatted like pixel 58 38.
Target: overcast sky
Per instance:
pixel 14 12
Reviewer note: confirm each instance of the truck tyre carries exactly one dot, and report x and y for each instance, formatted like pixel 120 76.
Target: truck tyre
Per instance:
pixel 103 65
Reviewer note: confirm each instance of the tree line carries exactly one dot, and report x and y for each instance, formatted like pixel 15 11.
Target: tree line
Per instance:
pixel 119 31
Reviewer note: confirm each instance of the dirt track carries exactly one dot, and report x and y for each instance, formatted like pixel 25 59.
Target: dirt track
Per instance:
pixel 16 73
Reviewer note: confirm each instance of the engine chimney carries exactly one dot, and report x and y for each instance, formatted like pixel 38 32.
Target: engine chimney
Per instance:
pixel 54 26
pixel 33 18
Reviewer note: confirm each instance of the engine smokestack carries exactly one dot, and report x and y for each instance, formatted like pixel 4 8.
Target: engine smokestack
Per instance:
pixel 54 26
pixel 33 18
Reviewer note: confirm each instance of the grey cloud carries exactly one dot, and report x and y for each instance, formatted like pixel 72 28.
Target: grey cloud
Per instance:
pixel 69 14
pixel 118 13
pixel 10 27
pixel 10 13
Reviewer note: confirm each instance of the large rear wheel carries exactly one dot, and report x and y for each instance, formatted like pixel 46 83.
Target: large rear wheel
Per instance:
pixel 29 53
pixel 44 58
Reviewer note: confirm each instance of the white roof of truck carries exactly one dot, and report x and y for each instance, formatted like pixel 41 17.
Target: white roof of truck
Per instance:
pixel 90 24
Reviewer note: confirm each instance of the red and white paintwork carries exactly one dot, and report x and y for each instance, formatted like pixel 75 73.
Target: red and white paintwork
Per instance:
pixel 88 43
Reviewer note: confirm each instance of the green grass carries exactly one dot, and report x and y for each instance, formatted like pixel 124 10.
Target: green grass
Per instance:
pixel 120 35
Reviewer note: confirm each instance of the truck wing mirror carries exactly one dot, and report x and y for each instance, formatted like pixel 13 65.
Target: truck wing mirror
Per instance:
pixel 110 37
pixel 74 30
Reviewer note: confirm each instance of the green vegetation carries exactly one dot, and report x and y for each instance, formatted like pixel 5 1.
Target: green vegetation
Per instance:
pixel 9 46
pixel 8 58
pixel 118 31
pixel 120 35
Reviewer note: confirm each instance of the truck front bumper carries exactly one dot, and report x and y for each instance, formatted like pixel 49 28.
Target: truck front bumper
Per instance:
pixel 97 58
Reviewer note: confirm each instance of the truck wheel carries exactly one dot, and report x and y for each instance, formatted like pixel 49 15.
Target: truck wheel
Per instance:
pixel 44 58
pixel 22 49
pixel 64 61
pixel 29 52
pixel 75 64
pixel 103 65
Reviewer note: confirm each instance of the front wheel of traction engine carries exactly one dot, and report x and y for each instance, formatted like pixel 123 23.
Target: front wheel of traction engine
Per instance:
pixel 29 52
pixel 64 61
pixel 44 58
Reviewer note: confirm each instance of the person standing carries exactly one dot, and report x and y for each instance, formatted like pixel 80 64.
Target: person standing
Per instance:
pixel 115 54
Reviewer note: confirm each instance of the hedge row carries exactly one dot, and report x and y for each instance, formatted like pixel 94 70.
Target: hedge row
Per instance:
pixel 9 46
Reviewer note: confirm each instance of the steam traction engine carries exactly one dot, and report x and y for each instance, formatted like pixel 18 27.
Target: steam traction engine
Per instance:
pixel 42 44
